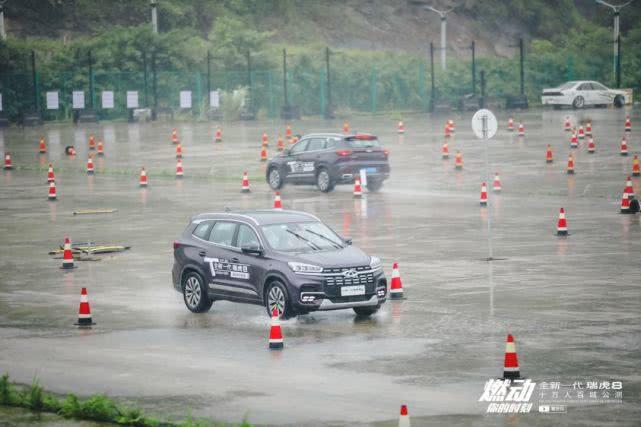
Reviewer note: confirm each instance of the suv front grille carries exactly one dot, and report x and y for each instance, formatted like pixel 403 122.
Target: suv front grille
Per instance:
pixel 336 277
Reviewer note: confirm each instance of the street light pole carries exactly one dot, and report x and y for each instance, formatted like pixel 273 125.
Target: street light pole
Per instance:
pixel 154 15
pixel 443 15
pixel 3 34
pixel 615 39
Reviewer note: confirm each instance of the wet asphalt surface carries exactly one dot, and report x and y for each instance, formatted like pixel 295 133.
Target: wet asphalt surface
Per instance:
pixel 572 303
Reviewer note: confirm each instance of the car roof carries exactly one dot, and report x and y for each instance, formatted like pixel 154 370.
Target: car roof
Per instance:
pixel 258 217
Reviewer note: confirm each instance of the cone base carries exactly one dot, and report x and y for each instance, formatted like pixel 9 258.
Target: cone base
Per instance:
pixel 143 185
pixel 84 324
pixel 245 190
pixel 624 154
pixel 358 196
pixel 626 211
pixel 67 267
pixel 179 176
pixel 8 167
pixel 549 161
pixel 511 375
pixel 276 345
pixel 636 174
pixel 458 168
pixel 483 204
pixel 396 295
pixel 52 199
pixel 445 157
pixel 497 190
pixel 89 172
pixel 562 233
pixel 590 151
pixel 101 154
pixel 570 172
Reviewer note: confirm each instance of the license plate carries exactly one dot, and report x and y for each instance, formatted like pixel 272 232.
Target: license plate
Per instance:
pixel 370 170
pixel 348 291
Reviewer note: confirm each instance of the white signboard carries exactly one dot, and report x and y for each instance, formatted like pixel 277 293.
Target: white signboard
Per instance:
pixel 132 99
pixel 484 124
pixel 214 99
pixel 78 100
pixel 185 99
pixel 107 99
pixel 0 102
pixel 52 101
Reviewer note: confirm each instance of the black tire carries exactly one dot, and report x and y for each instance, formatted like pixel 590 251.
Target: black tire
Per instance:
pixel 275 179
pixel 619 101
pixel 366 311
pixel 195 293
pixel 324 180
pixel 277 291
pixel 578 102
pixel 373 185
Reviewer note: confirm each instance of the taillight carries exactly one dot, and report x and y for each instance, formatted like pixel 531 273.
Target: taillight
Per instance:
pixel 176 245
pixel 343 153
pixel 386 152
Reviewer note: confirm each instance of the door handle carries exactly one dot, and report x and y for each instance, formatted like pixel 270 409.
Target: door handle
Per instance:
pixel 202 253
pixel 234 259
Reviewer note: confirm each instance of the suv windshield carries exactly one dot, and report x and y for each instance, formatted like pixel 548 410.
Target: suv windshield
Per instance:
pixel 302 237
pixel 362 143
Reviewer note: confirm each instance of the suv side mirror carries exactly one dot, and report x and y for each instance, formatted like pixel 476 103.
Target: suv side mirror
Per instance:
pixel 347 240
pixel 251 248
pixel 287 151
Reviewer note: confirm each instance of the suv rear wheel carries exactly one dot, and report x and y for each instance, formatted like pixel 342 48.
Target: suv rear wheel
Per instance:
pixel 619 101
pixel 324 181
pixel 366 311
pixel 277 297
pixel 578 102
pixel 374 185
pixel 275 179
pixel 195 293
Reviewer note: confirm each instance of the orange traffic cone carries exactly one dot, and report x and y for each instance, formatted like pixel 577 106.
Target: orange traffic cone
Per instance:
pixel 174 136
pixel 277 202
pixel 92 142
pixel 179 168
pixel 396 286
pixel 90 166
pixel 510 364
pixel 143 177
pixel 510 124
pixel 496 185
pixel 293 140
pixel 179 151
pixel 345 126
pixel 562 224
pixel 458 161
pixel 628 188
pixel 483 199
pixel 636 171
pixel 67 256
pixel 245 184
pixel 624 147
pixel 628 124
pixel 52 191
pixel 570 170
pixel 101 149
pixel 445 151
pixel 275 333
pixel 447 130
pixel 581 132
pixel 521 129
pixel 404 418
pixel 625 204
pixel 574 140
pixel 84 311
pixel 357 188
pixel 50 176
pixel 219 134
pixel 7 161
pixel 568 125
pixel 265 139
pixel 401 127
pixel 548 155
pixel 588 129
pixel 451 125
pixel 280 144
pixel 288 132
pixel 263 154
pixel 43 147
pixel 591 145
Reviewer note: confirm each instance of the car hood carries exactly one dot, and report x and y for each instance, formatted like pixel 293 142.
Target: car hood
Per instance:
pixel 349 256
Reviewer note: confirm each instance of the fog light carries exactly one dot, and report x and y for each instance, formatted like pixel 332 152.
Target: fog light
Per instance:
pixel 381 292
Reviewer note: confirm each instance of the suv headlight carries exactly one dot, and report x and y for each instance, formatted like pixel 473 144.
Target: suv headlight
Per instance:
pixel 375 263
pixel 299 267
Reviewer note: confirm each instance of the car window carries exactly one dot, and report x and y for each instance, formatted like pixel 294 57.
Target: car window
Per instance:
pixel 568 85
pixel 246 236
pixel 202 230
pixel 585 86
pixel 362 143
pixel 223 233
pixel 316 144
pixel 598 86
pixel 331 142
pixel 299 147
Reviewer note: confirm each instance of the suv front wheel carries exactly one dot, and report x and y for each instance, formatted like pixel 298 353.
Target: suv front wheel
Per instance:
pixel 275 179
pixel 324 180
pixel 277 297
pixel 195 293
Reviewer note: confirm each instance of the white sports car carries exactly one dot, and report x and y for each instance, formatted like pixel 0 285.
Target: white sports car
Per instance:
pixel 580 94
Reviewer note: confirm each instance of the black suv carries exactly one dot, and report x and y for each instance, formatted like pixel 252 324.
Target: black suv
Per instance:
pixel 286 260
pixel 327 159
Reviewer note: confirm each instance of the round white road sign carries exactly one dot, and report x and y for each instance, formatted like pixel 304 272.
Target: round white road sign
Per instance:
pixel 484 124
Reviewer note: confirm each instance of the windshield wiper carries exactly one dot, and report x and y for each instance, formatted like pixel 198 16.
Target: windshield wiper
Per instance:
pixel 333 243
pixel 311 244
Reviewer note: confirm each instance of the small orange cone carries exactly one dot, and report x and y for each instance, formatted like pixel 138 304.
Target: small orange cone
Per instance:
pixel 52 191
pixel 278 205
pixel 67 256
pixel 293 140
pixel 345 126
pixel 288 132
pixel 174 136
pixel 280 144
pixel 624 147
pixel 447 130
pixel 591 145
pixel 179 151
pixel 263 154
pixel 450 123
pixel 458 161
pixel 275 333
pixel 50 176
pixel 574 140
pixel 562 224
pixel 357 188
pixel 245 184
pixel 568 125
pixel 219 134
pixel 628 124
pixel 92 142
pixel 628 188
pixel 625 204
pixel 265 139
pixel 483 199
pixel 84 311
pixel 90 166
pixel 143 177
pixel 548 155
pixel 101 149
pixel 570 170
pixel 7 161
pixel 636 171
pixel 496 185
pixel 179 168
pixel 588 129
pixel 445 151
pixel 521 129
pixel 510 364
pixel 581 132
pixel 43 146
pixel 401 127
pixel 404 418
pixel 396 286
pixel 510 124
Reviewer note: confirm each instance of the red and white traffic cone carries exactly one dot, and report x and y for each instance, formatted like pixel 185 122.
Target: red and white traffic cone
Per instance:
pixel 496 185
pixel 483 199
pixel 458 161
pixel 280 144
pixel 404 418
pixel 276 341
pixel 396 286
pixel 510 124
pixel 50 176
pixel 265 139
pixel 521 129
pixel 245 184
pixel 92 142
pixel 358 192
pixel 447 130
pixel 179 151
pixel 548 155
pixel 450 123
pixel 574 140
pixel 628 188
pixel 174 136
pixel 625 204
pixel 143 177
pixel 636 170
pixel 219 134
pixel 52 191
pixel 511 363
pixel 288 132
pixel 588 129
pixel 581 132
pixel 179 169
pixel 624 147
pixel 84 311
pixel 101 149
pixel 278 205
pixel 90 166
pixel 628 124
pixel 67 256
pixel 445 151
pixel 345 126
pixel 7 161
pixel 570 169
pixel 562 224
pixel 591 145
pixel 568 125
pixel 42 148
pixel 263 154
pixel 401 127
